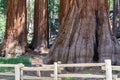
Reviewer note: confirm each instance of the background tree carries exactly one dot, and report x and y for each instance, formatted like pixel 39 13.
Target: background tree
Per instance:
pixel 40 40
pixel 115 15
pixel 30 20
pixel 118 20
pixel 3 6
pixel 15 35
pixel 2 19
pixel 85 33
pixel 53 10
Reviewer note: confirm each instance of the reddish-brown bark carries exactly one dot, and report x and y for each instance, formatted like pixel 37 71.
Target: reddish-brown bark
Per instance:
pixel 40 40
pixel 15 36
pixel 62 9
pixel 84 33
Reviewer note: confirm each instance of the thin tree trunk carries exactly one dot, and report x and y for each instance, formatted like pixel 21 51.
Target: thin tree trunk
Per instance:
pixel 85 33
pixel 40 39
pixel 15 40
pixel 115 12
pixel 118 55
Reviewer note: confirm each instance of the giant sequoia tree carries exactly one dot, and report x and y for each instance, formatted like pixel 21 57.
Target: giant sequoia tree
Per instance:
pixel 15 36
pixel 40 42
pixel 85 33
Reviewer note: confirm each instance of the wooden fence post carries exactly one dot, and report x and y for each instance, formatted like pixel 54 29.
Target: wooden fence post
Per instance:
pixel 17 72
pixel 21 72
pixel 108 68
pixel 59 70
pixel 55 71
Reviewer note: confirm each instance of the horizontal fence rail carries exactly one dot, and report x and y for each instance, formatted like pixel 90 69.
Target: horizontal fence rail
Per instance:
pixel 16 68
pixel 57 69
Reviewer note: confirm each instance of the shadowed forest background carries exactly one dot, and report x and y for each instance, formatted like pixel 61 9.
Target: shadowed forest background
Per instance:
pixel 30 27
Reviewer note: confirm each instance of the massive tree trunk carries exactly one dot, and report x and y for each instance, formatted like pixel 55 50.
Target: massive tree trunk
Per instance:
pixel 40 40
pixel 15 36
pixel 85 33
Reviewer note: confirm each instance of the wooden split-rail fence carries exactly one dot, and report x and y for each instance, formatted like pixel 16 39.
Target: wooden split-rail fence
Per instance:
pixel 57 68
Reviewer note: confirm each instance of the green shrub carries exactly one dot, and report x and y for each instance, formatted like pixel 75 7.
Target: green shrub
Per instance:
pixel 2 27
pixel 23 60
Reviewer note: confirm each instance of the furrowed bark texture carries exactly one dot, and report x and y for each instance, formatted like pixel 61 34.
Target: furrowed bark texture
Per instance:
pixel 85 34
pixel 15 36
pixel 40 41
pixel 75 42
pixel 63 4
